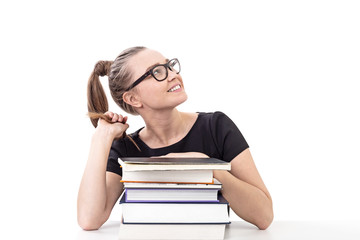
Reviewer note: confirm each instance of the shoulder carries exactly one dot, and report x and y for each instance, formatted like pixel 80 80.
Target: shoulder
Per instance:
pixel 226 135
pixel 220 125
pixel 211 114
pixel 214 117
pixel 215 122
pixel 123 146
pixel 135 134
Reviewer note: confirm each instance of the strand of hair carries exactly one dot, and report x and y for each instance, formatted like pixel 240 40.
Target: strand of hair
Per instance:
pixel 95 115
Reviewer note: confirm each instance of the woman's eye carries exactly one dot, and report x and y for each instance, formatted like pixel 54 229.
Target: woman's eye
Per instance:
pixel 158 71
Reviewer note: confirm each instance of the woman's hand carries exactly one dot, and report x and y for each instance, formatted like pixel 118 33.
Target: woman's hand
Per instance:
pixel 185 155
pixel 115 126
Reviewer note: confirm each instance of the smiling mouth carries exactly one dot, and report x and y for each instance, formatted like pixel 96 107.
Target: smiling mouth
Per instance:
pixel 174 88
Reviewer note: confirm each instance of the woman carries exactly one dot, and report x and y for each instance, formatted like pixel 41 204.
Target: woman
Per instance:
pixel 144 82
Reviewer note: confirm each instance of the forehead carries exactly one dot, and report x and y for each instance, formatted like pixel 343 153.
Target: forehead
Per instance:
pixel 144 59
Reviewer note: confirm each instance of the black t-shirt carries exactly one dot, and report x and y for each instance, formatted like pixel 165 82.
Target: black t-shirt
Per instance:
pixel 213 134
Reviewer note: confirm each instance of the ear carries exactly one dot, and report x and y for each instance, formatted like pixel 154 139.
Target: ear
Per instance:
pixel 132 99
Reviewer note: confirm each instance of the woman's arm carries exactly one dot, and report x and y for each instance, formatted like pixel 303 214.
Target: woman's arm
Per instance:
pixel 99 190
pixel 245 191
pixel 243 188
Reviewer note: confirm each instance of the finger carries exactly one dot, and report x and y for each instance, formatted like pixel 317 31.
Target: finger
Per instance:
pixel 110 114
pixel 125 126
pixel 120 119
pixel 115 118
pixel 124 119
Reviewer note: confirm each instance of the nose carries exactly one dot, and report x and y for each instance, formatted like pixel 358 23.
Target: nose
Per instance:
pixel 171 75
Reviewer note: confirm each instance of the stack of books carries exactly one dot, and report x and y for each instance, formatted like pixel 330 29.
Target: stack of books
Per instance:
pixel 172 198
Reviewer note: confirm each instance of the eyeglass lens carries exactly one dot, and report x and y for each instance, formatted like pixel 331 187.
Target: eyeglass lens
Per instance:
pixel 160 72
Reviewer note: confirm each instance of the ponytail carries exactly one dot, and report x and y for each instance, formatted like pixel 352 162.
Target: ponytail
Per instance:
pixel 96 97
pixel 119 81
pixel 97 101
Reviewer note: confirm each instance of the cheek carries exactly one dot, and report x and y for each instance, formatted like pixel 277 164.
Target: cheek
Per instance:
pixel 154 95
pixel 151 91
pixel 153 87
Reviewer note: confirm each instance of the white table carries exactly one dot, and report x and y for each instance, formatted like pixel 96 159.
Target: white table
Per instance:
pixel 289 230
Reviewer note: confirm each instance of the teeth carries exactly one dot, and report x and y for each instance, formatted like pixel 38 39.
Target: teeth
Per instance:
pixel 174 88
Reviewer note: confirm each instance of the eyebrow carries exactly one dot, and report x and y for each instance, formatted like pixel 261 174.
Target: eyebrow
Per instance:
pixel 166 60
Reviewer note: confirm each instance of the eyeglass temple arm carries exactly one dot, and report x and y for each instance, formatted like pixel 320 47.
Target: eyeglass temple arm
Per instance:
pixel 138 81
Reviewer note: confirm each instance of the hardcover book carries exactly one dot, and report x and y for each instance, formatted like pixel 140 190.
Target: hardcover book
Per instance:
pixel 176 213
pixel 215 185
pixel 171 170
pixel 171 231
pixel 153 163
pixel 171 195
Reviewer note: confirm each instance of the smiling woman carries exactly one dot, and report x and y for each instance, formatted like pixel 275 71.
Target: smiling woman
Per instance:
pixel 142 81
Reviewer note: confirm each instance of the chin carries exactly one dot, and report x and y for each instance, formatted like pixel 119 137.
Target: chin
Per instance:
pixel 168 102
pixel 179 100
pixel 183 98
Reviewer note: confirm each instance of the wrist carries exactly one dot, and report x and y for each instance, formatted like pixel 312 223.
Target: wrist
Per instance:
pixel 220 174
pixel 104 134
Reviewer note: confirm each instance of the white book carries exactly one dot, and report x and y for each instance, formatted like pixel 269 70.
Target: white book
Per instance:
pixel 171 231
pixel 130 185
pixel 171 192
pixel 155 176
pixel 175 212
pixel 171 170
pixel 171 195
pixel 147 163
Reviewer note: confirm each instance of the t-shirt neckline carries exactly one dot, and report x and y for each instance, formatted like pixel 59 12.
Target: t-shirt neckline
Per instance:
pixel 172 145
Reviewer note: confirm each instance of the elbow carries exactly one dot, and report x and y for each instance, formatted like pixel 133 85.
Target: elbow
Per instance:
pixel 264 225
pixel 266 221
pixel 90 224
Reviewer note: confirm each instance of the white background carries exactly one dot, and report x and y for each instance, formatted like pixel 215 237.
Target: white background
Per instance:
pixel 286 72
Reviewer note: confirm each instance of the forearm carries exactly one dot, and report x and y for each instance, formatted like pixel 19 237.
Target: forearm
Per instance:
pixel 247 201
pixel 92 191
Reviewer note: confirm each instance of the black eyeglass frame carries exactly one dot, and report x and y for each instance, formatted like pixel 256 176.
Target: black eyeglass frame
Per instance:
pixel 145 75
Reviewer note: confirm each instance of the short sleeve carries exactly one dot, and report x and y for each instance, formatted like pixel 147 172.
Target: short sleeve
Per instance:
pixel 113 164
pixel 228 139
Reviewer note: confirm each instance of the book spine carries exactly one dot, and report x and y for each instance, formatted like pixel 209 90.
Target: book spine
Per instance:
pixel 126 181
pixel 169 197
pixel 171 201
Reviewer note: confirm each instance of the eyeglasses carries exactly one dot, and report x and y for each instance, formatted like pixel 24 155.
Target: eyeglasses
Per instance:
pixel 159 72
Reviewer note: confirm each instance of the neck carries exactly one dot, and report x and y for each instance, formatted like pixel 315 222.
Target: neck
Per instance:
pixel 164 127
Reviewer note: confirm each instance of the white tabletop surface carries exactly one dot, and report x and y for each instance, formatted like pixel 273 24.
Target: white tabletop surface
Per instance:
pixel 289 230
